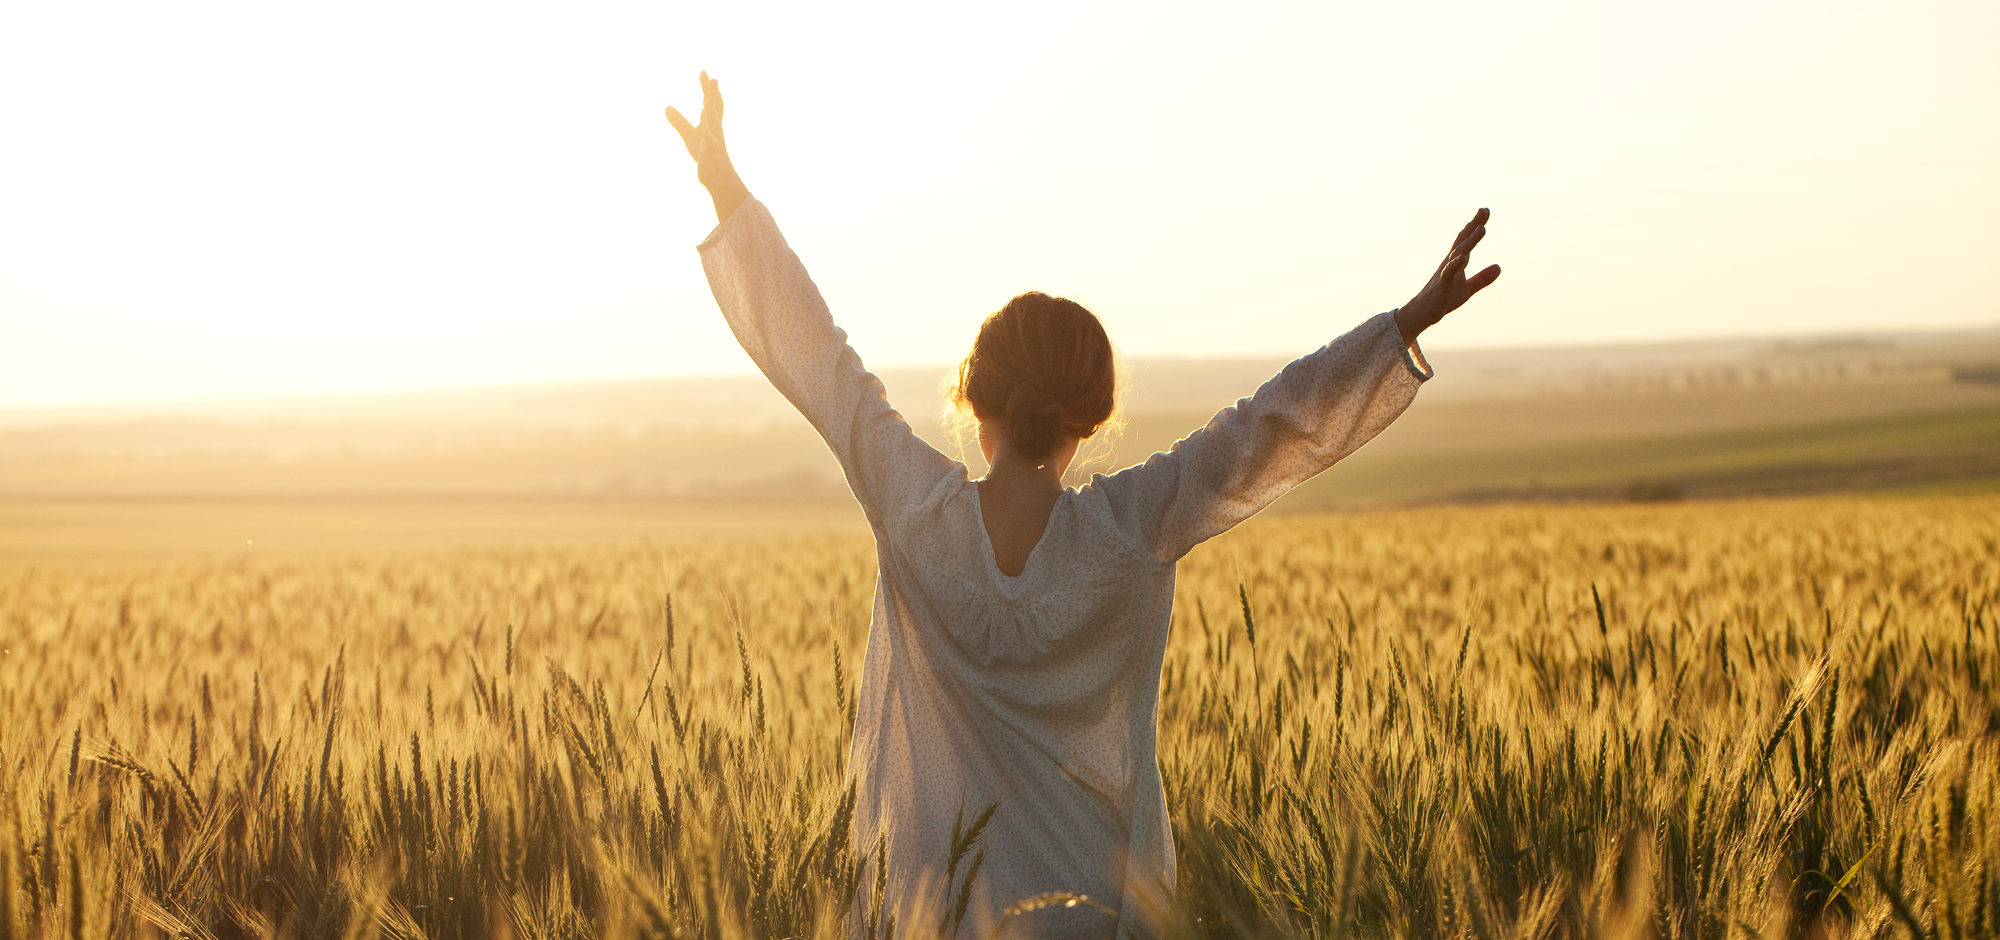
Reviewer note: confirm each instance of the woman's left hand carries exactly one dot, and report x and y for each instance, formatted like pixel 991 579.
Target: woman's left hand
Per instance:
pixel 711 157
pixel 1449 288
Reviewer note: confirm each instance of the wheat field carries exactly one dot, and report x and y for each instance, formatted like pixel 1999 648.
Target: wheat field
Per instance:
pixel 1704 720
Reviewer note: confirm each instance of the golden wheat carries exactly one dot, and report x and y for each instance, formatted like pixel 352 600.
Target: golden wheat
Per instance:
pixel 1685 721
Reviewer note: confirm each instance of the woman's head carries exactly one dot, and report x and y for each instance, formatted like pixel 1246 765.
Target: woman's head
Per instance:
pixel 1041 374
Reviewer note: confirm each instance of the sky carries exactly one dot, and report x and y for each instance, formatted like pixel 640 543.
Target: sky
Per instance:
pixel 211 200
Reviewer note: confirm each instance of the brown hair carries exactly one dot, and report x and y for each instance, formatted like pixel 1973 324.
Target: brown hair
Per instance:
pixel 1043 368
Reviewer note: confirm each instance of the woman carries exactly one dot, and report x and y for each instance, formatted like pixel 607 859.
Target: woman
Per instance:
pixel 1014 654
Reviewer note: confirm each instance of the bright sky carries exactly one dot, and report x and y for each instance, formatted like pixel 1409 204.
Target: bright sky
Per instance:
pixel 201 199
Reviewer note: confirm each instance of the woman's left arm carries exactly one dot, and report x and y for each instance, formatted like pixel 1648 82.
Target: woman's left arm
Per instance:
pixel 777 313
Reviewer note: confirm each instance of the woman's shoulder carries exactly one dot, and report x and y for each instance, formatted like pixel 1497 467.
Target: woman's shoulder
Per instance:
pixel 1097 508
pixel 932 503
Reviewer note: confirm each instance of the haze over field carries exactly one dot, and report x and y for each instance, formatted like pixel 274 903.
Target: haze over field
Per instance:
pixel 699 457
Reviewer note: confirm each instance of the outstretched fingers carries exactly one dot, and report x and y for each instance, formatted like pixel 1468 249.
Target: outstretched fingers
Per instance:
pixel 710 129
pixel 682 127
pixel 1449 287
pixel 1478 221
pixel 1472 233
pixel 1479 282
pixel 1462 244
pixel 1461 247
pixel 1466 244
pixel 711 100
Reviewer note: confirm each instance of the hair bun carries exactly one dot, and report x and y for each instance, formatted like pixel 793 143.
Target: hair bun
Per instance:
pixel 1034 419
pixel 1042 371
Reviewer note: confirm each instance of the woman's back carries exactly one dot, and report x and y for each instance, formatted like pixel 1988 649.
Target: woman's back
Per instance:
pixel 1033 693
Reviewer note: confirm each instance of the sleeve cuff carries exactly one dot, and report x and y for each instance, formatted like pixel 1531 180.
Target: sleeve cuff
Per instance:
pixel 1413 355
pixel 737 219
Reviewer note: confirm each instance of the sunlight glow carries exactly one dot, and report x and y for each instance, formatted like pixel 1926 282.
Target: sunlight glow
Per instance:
pixel 221 199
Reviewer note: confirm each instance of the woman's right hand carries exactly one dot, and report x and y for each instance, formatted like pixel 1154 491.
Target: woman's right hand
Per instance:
pixel 1449 288
pixel 711 158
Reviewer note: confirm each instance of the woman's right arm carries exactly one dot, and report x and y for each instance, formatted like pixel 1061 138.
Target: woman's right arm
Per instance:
pixel 1317 410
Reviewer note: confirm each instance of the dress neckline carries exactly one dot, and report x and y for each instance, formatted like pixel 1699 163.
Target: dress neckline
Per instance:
pixel 992 559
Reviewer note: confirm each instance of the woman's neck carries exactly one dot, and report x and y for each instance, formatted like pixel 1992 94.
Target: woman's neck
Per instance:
pixel 1017 474
pixel 1016 498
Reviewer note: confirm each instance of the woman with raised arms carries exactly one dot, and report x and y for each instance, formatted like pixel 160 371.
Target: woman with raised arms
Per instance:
pixel 1014 652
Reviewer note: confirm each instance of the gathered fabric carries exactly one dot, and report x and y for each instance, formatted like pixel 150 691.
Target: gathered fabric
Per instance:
pixel 1035 695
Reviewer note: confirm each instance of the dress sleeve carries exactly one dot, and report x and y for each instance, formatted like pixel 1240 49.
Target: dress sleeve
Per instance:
pixel 1320 408
pixel 777 313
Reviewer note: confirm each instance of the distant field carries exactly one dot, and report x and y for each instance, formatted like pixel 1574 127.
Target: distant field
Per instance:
pixel 673 459
pixel 99 530
pixel 1955 451
pixel 1872 454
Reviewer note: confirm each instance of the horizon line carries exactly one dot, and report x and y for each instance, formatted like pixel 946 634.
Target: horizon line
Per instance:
pixel 17 410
